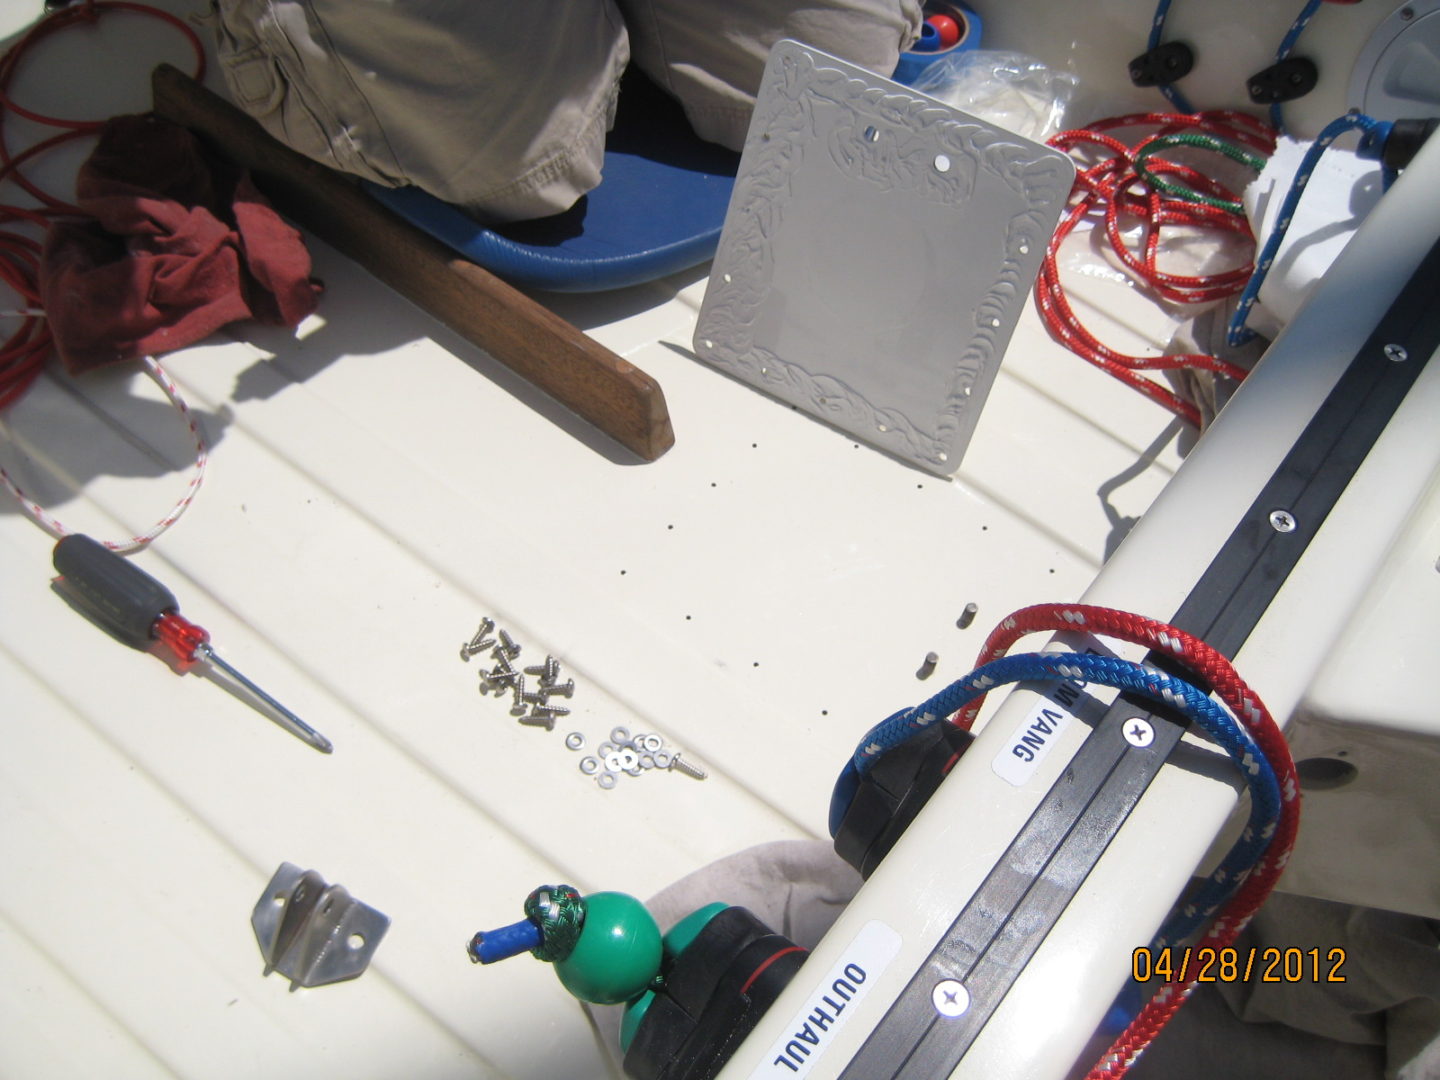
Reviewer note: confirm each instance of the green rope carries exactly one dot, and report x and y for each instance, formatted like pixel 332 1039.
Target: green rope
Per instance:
pixel 1203 142
pixel 559 911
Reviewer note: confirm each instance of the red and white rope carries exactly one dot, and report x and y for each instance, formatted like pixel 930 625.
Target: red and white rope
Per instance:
pixel 25 351
pixel 55 528
pixel 1112 188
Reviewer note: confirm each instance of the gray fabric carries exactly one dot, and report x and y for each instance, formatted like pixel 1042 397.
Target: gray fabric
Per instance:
pixel 711 56
pixel 501 107
pixel 1383 1023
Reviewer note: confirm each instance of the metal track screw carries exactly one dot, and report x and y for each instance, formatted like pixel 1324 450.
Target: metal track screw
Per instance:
pixel 1282 521
pixel 679 764
pixel 1138 732
pixel 950 998
pixel 1396 353
pixel 565 689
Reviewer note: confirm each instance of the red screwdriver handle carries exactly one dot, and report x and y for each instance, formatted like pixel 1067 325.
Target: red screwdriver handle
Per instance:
pixel 180 636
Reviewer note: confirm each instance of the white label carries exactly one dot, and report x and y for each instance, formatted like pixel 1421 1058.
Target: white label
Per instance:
pixel 1038 733
pixel 812 1030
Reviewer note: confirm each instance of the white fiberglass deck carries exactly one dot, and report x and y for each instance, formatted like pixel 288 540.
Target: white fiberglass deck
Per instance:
pixel 758 596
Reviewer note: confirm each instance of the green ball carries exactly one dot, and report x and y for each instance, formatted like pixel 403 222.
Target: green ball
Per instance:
pixel 618 952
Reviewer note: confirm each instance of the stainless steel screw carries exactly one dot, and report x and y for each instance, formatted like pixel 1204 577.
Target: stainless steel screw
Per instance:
pixel 1138 732
pixel 928 667
pixel 967 616
pixel 950 998
pixel 1282 521
pixel 1396 353
pixel 565 689
pixel 536 719
pixel 679 764
pixel 553 710
pixel 547 672
pixel 478 644
pixel 508 646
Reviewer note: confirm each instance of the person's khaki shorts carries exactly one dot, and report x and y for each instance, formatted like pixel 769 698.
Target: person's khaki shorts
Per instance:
pixel 502 107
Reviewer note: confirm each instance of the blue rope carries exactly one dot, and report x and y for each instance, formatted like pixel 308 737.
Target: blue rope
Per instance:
pixel 1119 674
pixel 1287 43
pixel 1157 30
pixel 1373 139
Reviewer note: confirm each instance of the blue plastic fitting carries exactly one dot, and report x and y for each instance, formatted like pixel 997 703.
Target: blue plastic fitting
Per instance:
pixel 488 946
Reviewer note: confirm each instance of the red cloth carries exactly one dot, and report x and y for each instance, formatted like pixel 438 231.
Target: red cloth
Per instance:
pixel 181 244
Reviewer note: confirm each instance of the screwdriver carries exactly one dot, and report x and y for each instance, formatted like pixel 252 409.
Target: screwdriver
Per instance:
pixel 138 610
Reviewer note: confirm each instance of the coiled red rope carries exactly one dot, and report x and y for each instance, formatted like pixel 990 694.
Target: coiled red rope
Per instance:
pixel 1111 190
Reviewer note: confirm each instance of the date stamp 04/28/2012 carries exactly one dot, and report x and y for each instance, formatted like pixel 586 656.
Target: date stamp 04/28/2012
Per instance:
pixel 1270 964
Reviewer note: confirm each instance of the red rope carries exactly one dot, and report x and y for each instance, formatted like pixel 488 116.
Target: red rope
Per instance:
pixel 24 352
pixel 1218 673
pixel 1111 189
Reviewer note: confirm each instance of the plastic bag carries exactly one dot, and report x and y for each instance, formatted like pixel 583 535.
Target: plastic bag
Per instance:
pixel 1008 89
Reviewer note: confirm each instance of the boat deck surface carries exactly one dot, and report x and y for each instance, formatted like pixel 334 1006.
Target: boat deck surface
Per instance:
pixel 758 597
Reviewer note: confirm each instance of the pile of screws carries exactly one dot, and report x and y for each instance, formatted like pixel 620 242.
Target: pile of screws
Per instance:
pixel 533 707
pixel 633 755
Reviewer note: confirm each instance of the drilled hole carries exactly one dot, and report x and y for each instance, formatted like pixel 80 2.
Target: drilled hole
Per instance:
pixel 1324 773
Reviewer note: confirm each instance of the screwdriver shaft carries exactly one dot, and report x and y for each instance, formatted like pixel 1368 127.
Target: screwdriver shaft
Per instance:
pixel 293 722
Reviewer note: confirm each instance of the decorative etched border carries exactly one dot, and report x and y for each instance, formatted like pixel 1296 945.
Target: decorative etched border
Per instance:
pixel 864 147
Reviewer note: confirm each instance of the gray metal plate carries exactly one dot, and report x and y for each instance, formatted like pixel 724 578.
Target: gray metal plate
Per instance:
pixel 877 252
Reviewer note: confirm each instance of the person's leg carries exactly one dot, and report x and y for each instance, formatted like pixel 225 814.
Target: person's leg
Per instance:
pixel 496 106
pixel 711 56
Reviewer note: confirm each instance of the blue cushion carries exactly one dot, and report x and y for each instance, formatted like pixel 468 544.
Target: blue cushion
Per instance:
pixel 657 210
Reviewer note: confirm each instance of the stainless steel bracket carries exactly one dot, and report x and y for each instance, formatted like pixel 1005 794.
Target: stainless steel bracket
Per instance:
pixel 313 933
